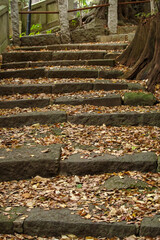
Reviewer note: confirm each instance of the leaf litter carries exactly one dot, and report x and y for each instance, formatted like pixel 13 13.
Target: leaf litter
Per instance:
pixel 84 139
pixel 69 237
pixel 90 200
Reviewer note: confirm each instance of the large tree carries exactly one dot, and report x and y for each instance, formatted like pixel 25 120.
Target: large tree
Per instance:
pixel 126 13
pixel 143 54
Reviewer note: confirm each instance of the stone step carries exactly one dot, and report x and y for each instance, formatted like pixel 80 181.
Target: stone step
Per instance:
pixel 28 161
pixel 92 46
pixel 109 119
pixel 50 55
pixel 56 222
pixel 108 101
pixel 12 57
pixel 29 64
pixel 117 119
pixel 25 103
pixel 28 119
pixel 61 73
pixel 116 37
pixel 67 87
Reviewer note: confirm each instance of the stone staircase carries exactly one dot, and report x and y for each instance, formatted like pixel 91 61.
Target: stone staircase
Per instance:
pixel 67 115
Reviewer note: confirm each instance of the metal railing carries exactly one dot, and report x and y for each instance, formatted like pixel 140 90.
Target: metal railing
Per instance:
pixel 81 9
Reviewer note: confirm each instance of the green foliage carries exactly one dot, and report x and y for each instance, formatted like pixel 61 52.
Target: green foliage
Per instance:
pixel 35 29
pixel 74 22
pixel 143 15
pixel 49 31
pixel 22 34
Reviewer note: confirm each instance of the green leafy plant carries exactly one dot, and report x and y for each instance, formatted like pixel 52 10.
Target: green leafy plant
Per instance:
pixel 35 29
pixel 74 22
pixel 22 34
pixel 49 31
pixel 143 15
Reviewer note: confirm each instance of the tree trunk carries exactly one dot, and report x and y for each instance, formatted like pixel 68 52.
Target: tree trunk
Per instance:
pixel 154 71
pixel 143 54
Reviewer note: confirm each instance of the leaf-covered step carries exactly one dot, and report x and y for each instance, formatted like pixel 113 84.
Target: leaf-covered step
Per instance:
pixel 28 161
pixel 66 87
pixel 61 73
pixel 117 119
pixel 92 46
pixel 33 117
pixel 79 165
pixel 49 56
pixel 29 64
pixel 109 119
pixel 25 103
pixel 108 100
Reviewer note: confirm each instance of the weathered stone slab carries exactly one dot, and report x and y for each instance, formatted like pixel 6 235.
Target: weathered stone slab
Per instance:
pixel 25 103
pixel 76 165
pixel 26 88
pixel 135 86
pixel 112 55
pixel 15 65
pixel 93 46
pixel 27 73
pixel 83 55
pixel 82 73
pixel 117 119
pixel 71 87
pixel 26 56
pixel 29 161
pixel 69 73
pixel 60 221
pixel 31 118
pixel 40 40
pixel 124 182
pixel 86 35
pixel 61 87
pixel 140 98
pixel 7 224
pixel 107 86
pixel 110 74
pixel 108 100
pixel 101 62
pixel 150 227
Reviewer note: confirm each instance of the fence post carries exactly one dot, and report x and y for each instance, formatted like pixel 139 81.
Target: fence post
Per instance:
pixel 153 6
pixel 15 22
pixel 64 22
pixel 113 16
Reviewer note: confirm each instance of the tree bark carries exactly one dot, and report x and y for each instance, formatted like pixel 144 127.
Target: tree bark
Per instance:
pixel 146 65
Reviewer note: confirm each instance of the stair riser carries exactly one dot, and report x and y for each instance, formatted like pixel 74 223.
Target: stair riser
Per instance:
pixel 31 103
pixel 49 56
pixel 59 88
pixel 41 72
pixel 59 47
pixel 98 62
pixel 57 222
pixel 27 162
pixel 112 119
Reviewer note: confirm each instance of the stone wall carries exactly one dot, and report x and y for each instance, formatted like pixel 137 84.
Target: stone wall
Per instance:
pixel 4 25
